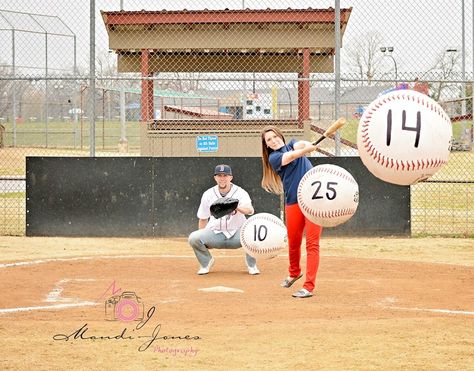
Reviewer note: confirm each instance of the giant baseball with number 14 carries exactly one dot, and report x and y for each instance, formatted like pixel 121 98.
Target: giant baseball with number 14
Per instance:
pixel 404 137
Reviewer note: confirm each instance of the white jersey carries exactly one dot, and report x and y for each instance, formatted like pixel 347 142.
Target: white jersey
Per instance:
pixel 228 224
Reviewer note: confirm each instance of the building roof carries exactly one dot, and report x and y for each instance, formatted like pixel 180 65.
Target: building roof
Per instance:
pixel 230 16
pixel 245 40
pixel 198 112
pixel 161 93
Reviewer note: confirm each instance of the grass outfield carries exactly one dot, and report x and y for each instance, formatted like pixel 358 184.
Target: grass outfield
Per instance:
pixel 108 132
pixel 12 214
pixel 68 135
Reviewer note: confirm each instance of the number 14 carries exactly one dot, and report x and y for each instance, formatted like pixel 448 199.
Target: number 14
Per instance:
pixel 417 129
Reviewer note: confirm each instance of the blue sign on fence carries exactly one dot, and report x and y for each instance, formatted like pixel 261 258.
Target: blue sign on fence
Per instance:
pixel 207 143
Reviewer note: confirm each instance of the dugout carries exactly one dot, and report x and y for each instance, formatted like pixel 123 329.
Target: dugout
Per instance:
pixel 300 41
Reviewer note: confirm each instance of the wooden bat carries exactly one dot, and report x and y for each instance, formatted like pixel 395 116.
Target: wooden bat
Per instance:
pixel 336 125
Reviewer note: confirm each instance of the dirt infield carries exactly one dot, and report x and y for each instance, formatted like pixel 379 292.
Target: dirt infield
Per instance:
pixel 379 304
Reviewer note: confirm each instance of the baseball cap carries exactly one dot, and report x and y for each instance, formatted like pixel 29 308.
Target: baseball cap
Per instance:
pixel 223 169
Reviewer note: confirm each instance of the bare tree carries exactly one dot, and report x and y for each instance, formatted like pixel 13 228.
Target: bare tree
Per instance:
pixel 8 87
pixel 5 87
pixel 106 66
pixel 445 67
pixel 185 82
pixel 364 55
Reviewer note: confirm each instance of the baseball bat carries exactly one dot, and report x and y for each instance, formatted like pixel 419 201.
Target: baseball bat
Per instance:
pixel 339 123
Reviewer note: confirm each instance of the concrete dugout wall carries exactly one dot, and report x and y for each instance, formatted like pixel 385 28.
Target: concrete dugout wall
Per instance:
pixel 159 197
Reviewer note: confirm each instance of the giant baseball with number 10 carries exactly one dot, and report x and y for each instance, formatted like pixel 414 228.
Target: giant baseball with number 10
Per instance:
pixel 404 137
pixel 328 195
pixel 263 235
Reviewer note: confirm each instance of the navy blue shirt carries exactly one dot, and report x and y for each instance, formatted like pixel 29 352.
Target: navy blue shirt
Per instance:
pixel 291 173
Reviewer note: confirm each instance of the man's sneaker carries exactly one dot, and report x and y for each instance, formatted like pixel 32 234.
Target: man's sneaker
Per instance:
pixel 206 269
pixel 253 270
pixel 303 293
pixel 288 281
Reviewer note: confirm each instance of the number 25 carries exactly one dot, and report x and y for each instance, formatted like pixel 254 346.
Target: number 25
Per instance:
pixel 330 195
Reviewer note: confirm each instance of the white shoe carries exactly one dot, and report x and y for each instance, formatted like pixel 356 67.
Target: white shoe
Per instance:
pixel 253 270
pixel 206 269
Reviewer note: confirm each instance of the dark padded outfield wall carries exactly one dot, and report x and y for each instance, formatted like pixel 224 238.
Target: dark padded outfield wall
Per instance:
pixel 83 196
pixel 142 196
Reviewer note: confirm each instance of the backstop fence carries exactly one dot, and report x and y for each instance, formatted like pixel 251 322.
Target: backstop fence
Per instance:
pixel 109 78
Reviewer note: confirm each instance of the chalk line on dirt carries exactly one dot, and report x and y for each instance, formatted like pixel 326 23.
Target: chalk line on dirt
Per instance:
pixel 393 300
pixel 52 260
pixel 220 289
pixel 433 310
pixel 46 307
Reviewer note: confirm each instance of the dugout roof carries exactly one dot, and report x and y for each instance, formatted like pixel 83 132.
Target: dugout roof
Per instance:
pixel 247 40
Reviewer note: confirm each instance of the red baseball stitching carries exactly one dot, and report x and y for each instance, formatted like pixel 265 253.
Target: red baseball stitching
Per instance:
pixel 328 214
pixel 329 170
pixel 389 162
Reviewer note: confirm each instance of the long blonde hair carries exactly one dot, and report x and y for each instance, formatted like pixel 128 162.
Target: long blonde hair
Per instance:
pixel 271 181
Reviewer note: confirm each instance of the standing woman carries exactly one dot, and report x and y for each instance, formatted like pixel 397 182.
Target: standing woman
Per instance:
pixel 283 167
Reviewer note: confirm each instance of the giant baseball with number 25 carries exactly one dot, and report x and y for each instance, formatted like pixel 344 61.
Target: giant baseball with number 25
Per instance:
pixel 328 195
pixel 404 137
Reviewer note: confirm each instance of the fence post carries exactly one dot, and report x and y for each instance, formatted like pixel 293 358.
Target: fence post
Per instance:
pixel 92 80
pixel 2 134
pixel 337 71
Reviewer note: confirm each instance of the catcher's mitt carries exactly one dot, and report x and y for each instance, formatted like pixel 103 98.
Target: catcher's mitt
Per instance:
pixel 223 206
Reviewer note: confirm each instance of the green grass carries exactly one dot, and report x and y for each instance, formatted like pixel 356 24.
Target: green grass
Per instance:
pixel 68 135
pixel 349 130
pixel 460 167
pixel 443 196
pixel 107 133
pixel 13 195
pixel 11 171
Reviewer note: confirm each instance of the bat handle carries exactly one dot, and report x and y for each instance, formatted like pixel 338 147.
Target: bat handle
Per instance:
pixel 319 141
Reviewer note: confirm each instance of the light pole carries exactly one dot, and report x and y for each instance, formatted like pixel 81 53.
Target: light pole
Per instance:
pixel 463 60
pixel 387 52
pixel 463 76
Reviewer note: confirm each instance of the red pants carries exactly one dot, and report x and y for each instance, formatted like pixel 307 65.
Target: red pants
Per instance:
pixel 296 222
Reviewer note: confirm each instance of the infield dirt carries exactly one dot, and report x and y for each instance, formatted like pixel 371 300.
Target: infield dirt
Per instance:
pixel 379 304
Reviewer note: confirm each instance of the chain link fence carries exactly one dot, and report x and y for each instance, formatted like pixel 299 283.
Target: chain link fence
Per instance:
pixel 132 78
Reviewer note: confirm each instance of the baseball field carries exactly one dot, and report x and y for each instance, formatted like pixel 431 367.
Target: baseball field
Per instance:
pixel 379 304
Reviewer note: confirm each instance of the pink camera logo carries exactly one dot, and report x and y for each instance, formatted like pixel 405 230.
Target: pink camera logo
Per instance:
pixel 126 307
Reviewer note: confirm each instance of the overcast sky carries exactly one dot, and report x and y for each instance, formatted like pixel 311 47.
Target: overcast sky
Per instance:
pixel 418 30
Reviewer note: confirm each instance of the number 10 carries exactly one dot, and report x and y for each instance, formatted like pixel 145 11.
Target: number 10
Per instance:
pixel 260 233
